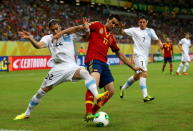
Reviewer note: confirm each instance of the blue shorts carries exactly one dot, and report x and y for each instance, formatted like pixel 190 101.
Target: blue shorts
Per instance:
pixel 103 68
pixel 169 59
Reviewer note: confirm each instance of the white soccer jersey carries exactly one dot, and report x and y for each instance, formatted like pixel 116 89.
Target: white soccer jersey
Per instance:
pixel 142 40
pixel 62 50
pixel 186 43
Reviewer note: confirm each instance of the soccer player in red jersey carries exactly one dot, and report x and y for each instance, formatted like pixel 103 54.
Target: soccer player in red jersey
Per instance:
pixel 168 53
pixel 100 40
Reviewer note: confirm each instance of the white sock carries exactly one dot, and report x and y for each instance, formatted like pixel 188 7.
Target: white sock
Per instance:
pixel 35 101
pixel 90 82
pixel 128 83
pixel 142 83
pixel 186 67
pixel 180 67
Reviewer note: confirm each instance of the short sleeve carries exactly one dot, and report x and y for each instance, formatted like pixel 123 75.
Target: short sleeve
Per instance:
pixel 129 31
pixel 46 40
pixel 94 26
pixel 152 34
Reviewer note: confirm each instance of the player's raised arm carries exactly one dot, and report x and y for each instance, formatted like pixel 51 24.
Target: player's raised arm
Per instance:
pixel 126 61
pixel 74 29
pixel 36 44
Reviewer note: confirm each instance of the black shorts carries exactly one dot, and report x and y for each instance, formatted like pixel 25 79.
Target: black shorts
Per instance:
pixel 167 59
pixel 103 68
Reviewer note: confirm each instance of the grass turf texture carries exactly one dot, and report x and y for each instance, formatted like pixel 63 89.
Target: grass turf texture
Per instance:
pixel 63 108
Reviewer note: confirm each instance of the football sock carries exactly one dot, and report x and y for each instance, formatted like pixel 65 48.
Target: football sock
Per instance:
pixel 180 67
pixel 97 107
pixel 142 83
pixel 35 101
pixel 89 100
pixel 128 83
pixel 186 67
pixel 171 68
pixel 89 82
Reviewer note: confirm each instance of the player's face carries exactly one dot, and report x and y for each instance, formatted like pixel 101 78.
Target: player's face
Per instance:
pixel 55 29
pixel 112 23
pixel 142 23
pixel 187 35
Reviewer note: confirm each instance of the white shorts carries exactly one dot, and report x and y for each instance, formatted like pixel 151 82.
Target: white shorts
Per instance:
pixel 141 61
pixel 60 73
pixel 185 57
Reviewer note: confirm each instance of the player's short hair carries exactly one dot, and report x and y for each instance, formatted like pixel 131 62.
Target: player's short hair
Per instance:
pixel 114 16
pixel 53 22
pixel 187 33
pixel 142 17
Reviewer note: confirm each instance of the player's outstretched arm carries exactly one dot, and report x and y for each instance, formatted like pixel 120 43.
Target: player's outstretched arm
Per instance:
pixel 126 61
pixel 69 31
pixel 74 29
pixel 27 35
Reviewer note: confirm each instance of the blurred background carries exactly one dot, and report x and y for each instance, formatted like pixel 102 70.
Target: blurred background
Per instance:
pixel 169 18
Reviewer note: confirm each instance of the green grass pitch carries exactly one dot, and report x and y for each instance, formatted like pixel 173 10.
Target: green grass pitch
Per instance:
pixel 63 108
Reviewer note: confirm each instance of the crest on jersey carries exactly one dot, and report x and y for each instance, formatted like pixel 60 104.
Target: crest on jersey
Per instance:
pixel 101 31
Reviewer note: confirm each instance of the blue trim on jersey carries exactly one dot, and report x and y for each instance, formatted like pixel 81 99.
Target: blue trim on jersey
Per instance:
pixel 33 103
pixel 149 33
pixel 66 38
pixel 142 87
pixel 88 84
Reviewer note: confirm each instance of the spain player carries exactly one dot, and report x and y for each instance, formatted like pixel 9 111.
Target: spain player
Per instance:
pixel 142 37
pixel 100 40
pixel 167 54
pixel 63 63
pixel 184 45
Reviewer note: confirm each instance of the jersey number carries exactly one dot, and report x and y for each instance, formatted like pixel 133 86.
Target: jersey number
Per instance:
pixel 142 63
pixel 50 77
pixel 143 39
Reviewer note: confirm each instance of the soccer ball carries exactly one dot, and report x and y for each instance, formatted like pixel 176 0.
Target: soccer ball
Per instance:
pixel 101 119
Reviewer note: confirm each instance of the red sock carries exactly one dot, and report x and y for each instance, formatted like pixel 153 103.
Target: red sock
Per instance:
pixel 96 107
pixel 89 100
pixel 170 67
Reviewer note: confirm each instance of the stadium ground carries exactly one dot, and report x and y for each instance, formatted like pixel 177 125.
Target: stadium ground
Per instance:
pixel 63 108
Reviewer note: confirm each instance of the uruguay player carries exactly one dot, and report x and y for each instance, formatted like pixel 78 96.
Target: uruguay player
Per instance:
pixel 142 37
pixel 63 63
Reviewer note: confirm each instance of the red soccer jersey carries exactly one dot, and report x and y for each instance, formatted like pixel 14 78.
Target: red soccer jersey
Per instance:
pixel 99 42
pixel 168 48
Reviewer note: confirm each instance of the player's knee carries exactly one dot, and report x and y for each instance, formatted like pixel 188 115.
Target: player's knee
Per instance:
pixel 187 64
pixel 84 74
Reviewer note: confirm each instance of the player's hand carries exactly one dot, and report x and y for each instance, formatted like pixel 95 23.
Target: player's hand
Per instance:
pixel 138 69
pixel 121 25
pixel 86 23
pixel 25 35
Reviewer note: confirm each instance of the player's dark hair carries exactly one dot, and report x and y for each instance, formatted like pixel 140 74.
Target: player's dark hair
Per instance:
pixel 142 17
pixel 114 16
pixel 53 22
pixel 187 33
